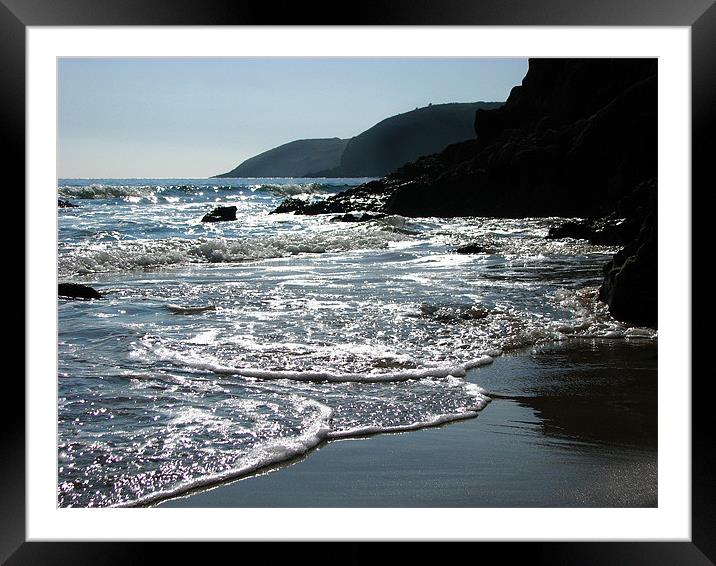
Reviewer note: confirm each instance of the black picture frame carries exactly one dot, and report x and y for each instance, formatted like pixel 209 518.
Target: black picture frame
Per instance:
pixel 699 15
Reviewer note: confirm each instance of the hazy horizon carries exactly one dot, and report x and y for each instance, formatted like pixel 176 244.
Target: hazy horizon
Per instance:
pixel 194 118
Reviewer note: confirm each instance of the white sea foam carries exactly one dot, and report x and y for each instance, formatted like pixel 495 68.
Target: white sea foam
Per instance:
pixel 318 430
pixel 436 420
pixel 456 370
pixel 102 191
pixel 138 254
pixel 263 456
pixel 130 191
pixel 613 334
pixel 296 189
pixel 638 332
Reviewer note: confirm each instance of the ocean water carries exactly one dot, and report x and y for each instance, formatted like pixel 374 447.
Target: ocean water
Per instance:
pixel 222 348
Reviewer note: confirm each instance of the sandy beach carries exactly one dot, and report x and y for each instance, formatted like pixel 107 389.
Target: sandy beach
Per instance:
pixel 571 425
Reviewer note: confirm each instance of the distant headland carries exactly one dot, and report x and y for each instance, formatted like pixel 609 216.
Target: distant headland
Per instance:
pixel 375 152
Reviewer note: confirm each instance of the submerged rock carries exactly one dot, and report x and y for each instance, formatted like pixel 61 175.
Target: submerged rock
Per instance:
pixel 473 249
pixel 220 214
pixel 65 204
pixel 77 291
pixel 454 313
pixel 353 217
pixel 179 309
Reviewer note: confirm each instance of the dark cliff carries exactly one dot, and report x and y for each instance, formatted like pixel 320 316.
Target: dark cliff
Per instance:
pixel 572 140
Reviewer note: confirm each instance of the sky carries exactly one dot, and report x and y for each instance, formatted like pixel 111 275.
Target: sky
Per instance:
pixel 167 117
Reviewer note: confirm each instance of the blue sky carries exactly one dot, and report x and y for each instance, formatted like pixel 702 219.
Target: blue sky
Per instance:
pixel 200 117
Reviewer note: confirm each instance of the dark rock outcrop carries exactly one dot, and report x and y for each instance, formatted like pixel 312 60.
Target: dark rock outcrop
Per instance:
pixel 630 285
pixel 630 278
pixel 77 291
pixel 65 204
pixel 220 214
pixel 574 138
pixel 369 197
pixel 291 204
pixel 607 231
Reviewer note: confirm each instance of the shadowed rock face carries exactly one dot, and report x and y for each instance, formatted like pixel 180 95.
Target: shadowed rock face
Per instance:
pixel 630 285
pixel 572 140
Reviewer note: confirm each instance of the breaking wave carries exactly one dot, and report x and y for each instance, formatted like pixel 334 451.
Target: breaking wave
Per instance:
pixel 113 191
pixel 141 254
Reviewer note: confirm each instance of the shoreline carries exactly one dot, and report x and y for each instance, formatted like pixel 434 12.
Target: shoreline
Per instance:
pixel 571 424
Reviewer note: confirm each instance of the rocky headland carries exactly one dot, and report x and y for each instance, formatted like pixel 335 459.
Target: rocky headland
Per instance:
pixel 375 152
pixel 578 138
pixel 405 137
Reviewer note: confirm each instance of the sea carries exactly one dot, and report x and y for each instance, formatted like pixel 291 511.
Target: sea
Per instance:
pixel 221 349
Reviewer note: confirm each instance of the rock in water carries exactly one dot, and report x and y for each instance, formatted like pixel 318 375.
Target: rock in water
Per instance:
pixel 220 214
pixel 579 230
pixel 353 217
pixel 630 285
pixel 290 204
pixel 472 249
pixel 370 197
pixel 607 231
pixel 65 204
pixel 77 291
pixel 630 280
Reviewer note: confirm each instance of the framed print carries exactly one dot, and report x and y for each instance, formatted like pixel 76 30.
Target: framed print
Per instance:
pixel 390 279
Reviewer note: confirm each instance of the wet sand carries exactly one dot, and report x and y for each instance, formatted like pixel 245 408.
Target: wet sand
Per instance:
pixel 571 425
